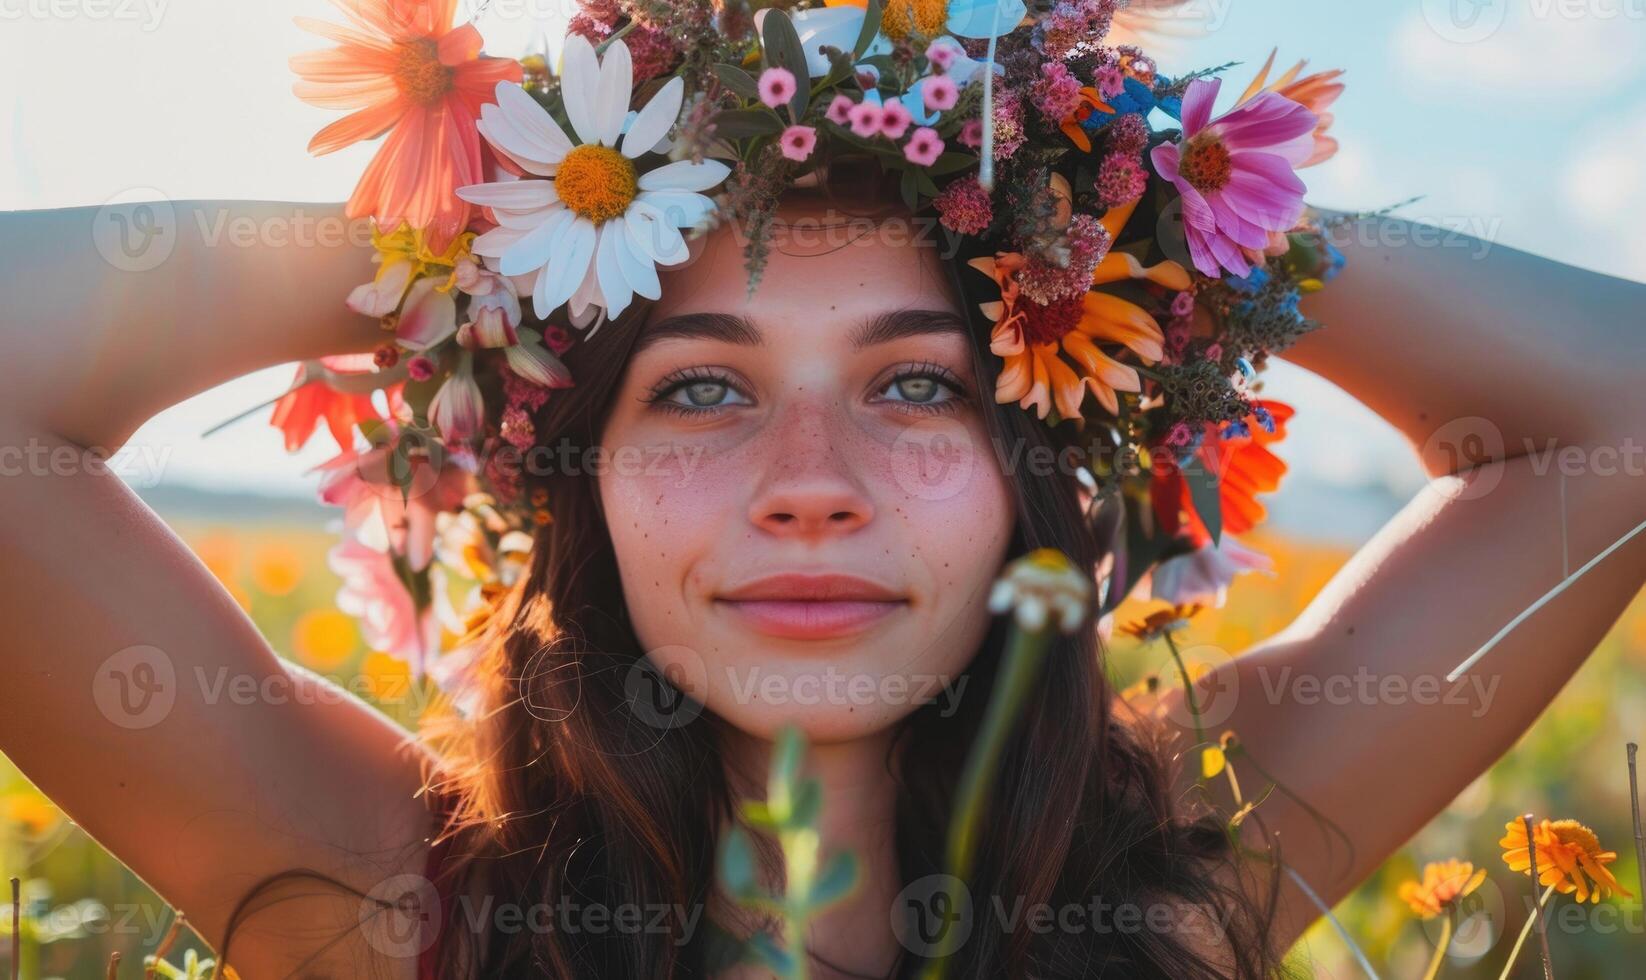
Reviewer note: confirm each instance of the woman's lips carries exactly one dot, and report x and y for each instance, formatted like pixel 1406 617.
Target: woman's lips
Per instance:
pixel 811 605
pixel 810 619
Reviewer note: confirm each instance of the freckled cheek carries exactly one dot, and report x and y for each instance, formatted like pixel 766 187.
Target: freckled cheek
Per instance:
pixel 666 514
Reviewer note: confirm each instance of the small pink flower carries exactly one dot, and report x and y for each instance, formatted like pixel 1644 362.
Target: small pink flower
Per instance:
pixel 894 119
pixel 776 86
pixel 797 142
pixel 420 368
pixel 839 111
pixel 941 53
pixel 971 133
pixel 923 147
pixel 940 92
pixel 865 118
pixel 557 338
pixel 1183 303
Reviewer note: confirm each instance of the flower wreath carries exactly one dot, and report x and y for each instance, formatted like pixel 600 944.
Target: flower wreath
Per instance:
pixel 1138 255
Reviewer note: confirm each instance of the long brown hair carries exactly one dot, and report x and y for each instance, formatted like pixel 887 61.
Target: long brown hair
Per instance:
pixel 557 792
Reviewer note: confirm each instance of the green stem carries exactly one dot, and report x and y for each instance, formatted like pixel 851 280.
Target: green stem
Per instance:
pixel 1188 695
pixel 1441 947
pixel 1525 930
pixel 1025 654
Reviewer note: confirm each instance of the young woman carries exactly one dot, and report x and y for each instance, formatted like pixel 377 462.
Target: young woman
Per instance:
pixel 788 402
pixel 757 539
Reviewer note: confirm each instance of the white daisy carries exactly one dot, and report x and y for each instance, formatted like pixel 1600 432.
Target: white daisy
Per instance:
pixel 594 232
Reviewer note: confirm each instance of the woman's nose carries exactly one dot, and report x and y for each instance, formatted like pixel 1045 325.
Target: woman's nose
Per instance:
pixel 808 487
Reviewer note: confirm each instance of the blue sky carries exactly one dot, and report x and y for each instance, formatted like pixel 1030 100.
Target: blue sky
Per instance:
pixel 1519 121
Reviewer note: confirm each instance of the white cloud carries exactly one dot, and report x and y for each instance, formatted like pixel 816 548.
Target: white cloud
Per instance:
pixel 1544 51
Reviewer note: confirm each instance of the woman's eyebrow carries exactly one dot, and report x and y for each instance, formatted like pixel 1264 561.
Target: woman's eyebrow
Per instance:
pixel 730 328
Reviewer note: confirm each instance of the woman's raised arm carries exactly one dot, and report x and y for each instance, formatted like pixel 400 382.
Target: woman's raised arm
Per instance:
pixel 138 695
pixel 1519 381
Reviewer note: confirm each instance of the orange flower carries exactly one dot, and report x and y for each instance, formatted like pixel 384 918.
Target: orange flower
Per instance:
pixel 1245 466
pixel 1566 851
pixel 1444 884
pixel 1033 339
pixel 301 409
pixel 1161 622
pixel 406 71
pixel 1089 103
pixel 1315 92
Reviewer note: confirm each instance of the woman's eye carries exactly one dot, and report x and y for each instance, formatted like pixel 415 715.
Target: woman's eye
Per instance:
pixel 921 390
pixel 698 394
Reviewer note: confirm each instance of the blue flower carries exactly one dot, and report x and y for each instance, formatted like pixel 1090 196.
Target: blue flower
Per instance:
pixel 1264 419
pixel 1236 430
pixel 1254 281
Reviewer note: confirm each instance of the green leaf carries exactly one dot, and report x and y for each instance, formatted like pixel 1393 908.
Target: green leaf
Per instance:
pixel 758 815
pixel 1203 493
pixel 808 803
pixel 871 27
pixel 737 863
pixel 741 124
pixel 737 80
pixel 771 955
pixel 836 881
pixel 781 47
pixel 923 181
pixel 786 756
pixel 951 162
pixel 908 185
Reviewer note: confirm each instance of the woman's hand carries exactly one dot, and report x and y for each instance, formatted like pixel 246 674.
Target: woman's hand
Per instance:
pixel 138 695
pixel 1519 381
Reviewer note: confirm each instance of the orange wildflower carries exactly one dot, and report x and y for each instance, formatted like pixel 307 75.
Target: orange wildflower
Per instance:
pixel 1444 884
pixel 1071 124
pixel 1052 353
pixel 406 71
pixel 1569 855
pixel 1245 466
pixel 1314 92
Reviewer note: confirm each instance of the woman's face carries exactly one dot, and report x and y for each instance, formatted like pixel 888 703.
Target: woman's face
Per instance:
pixel 800 490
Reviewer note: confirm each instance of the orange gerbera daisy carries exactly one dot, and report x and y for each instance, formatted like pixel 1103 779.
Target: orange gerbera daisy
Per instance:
pixel 1160 622
pixel 1315 92
pixel 1444 884
pixel 1245 466
pixel 1568 856
pixel 1033 339
pixel 404 70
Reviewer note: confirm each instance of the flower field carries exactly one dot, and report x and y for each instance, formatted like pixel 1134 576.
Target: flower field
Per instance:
pixel 80 905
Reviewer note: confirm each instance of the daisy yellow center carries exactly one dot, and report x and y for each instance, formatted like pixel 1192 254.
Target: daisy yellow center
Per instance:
pixel 921 17
pixel 418 72
pixel 1206 164
pixel 597 182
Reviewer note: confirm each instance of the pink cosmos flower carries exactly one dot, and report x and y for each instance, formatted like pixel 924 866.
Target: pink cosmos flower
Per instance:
pixel 940 92
pixel 865 119
pixel 382 509
pixel 776 86
pixel 923 147
pixel 839 111
pixel 797 142
pixel 1237 174
pixel 894 119
pixel 374 594
pixel 971 133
